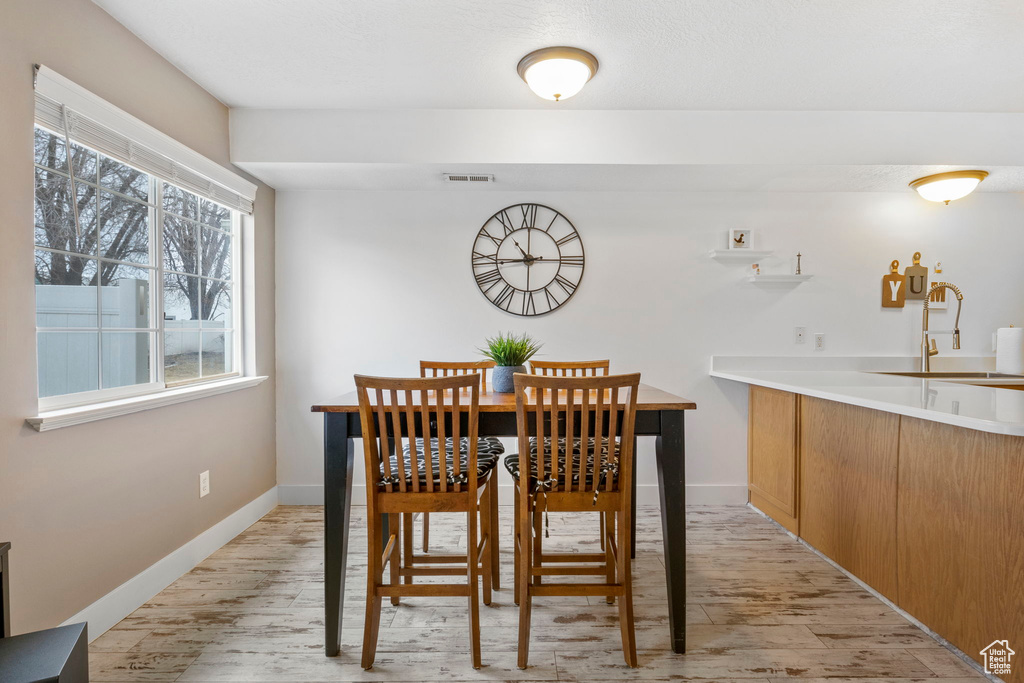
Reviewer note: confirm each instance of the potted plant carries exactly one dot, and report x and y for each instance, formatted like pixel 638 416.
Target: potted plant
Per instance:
pixel 510 353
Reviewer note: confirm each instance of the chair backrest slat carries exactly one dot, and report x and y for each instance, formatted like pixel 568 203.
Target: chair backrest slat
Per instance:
pixel 612 430
pixel 456 442
pixel 607 403
pixel 570 433
pixel 599 411
pixel 397 440
pixel 541 447
pixel 414 456
pixel 584 432
pixel 442 439
pixel 425 431
pixel 439 402
pixel 570 368
pixel 385 439
pixel 442 368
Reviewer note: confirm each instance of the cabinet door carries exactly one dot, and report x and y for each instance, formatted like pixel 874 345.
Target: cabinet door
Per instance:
pixel 848 463
pixel 961 535
pixel 772 454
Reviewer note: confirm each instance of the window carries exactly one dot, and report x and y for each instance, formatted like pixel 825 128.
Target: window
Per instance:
pixel 136 286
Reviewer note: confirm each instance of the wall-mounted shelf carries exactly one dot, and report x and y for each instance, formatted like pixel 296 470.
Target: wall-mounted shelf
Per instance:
pixel 743 255
pixel 779 279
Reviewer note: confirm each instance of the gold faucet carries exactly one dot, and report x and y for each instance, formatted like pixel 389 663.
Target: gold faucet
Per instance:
pixel 927 351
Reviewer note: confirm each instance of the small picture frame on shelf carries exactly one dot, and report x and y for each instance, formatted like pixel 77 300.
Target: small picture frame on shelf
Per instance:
pixel 740 238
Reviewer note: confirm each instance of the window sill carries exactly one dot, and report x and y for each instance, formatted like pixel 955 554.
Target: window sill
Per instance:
pixel 68 417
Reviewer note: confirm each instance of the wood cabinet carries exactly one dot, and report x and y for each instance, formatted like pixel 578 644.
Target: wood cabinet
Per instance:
pixel 772 454
pixel 848 470
pixel 961 535
pixel 929 515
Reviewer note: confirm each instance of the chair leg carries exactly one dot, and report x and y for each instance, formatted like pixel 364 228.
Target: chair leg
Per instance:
pixel 523 514
pixel 407 543
pixel 602 530
pixel 495 534
pixel 609 523
pixel 626 599
pixel 394 527
pixel 474 587
pixel 487 533
pixel 426 532
pixel 374 578
pixel 517 540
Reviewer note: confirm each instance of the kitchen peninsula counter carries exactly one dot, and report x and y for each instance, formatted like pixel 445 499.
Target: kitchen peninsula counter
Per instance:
pixel 913 486
pixel 990 408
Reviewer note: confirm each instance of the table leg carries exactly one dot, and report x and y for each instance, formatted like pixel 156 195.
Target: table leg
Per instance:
pixel 338 455
pixel 671 451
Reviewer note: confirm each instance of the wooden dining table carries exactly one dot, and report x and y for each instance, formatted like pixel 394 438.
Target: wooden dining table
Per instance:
pixel 658 414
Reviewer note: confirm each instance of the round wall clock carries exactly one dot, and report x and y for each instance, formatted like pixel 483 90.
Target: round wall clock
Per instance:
pixel 528 259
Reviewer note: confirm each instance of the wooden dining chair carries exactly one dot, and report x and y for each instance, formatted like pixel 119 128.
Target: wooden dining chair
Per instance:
pixel 597 416
pixel 422 457
pixel 569 368
pixel 575 368
pixel 486 445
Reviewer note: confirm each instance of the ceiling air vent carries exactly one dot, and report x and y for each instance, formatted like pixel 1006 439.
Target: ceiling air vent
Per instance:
pixel 468 178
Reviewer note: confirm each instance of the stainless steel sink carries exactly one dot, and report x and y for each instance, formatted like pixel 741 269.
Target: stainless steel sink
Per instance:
pixel 954 375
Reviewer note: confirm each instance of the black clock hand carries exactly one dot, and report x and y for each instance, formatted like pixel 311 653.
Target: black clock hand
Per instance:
pixel 528 259
pixel 525 255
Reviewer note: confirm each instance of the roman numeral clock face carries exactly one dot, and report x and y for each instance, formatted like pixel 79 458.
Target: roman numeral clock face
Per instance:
pixel 528 259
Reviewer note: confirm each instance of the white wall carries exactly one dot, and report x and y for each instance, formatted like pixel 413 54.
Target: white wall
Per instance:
pixel 371 282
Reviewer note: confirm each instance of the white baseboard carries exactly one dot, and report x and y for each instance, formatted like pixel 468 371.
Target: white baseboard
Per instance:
pixel 712 494
pixel 721 494
pixel 136 591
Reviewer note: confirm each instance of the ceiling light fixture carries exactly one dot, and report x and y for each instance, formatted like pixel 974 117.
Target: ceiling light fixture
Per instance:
pixel 557 73
pixel 945 187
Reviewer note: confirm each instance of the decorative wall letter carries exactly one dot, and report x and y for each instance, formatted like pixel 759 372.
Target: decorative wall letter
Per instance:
pixel 917 279
pixel 894 287
pixel 938 301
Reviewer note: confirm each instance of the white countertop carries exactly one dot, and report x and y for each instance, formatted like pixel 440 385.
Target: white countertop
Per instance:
pixel 1000 411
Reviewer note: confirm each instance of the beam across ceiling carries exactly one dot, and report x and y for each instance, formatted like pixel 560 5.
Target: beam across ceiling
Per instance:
pixel 480 137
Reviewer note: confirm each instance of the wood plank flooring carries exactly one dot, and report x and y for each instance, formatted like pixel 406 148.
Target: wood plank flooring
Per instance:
pixel 761 607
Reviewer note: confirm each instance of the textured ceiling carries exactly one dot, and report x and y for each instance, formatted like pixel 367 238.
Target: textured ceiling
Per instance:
pixel 890 55
pixel 620 177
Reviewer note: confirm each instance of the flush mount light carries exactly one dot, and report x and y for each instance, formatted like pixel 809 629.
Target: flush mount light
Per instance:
pixel 945 187
pixel 557 73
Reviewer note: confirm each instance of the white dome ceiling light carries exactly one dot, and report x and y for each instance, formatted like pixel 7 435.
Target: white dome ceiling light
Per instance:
pixel 557 73
pixel 945 187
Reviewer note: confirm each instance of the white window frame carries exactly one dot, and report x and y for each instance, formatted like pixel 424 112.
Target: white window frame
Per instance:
pixel 156 329
pixel 94 123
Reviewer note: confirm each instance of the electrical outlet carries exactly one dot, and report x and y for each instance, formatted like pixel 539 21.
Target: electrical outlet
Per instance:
pixel 819 341
pixel 799 335
pixel 204 483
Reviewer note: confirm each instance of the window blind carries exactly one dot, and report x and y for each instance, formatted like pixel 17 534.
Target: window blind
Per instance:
pixel 93 122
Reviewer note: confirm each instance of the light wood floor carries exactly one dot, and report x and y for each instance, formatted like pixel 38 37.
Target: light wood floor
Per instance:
pixel 760 607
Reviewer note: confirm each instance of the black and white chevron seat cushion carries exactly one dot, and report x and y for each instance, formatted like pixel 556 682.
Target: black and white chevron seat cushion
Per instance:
pixel 512 461
pixel 488 450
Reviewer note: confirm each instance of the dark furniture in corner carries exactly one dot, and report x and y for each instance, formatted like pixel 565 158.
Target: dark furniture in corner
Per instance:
pixel 5 601
pixel 56 655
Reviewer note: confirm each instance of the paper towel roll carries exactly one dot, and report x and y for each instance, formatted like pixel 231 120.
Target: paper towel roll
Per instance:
pixel 1010 350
